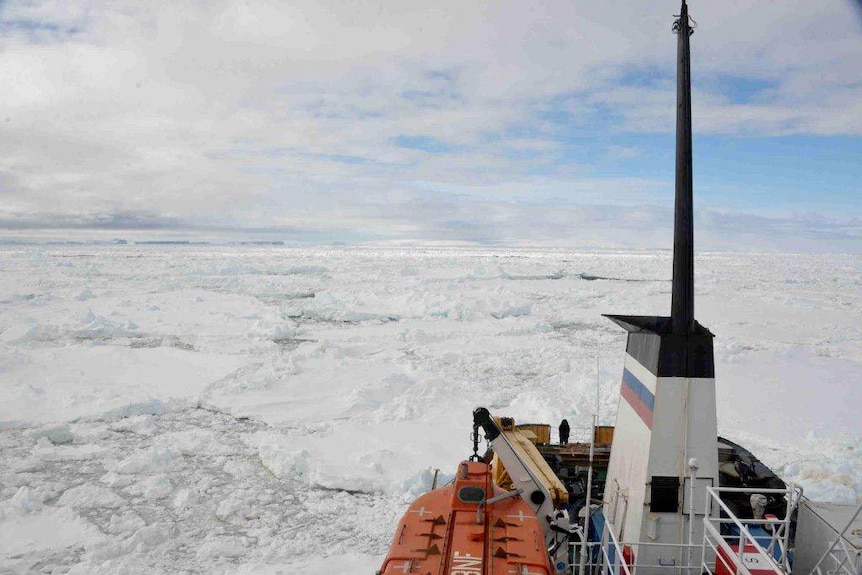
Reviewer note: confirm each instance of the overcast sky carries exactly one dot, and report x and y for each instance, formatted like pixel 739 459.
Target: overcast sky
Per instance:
pixel 494 122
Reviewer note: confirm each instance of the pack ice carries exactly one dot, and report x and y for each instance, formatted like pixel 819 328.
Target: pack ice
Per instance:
pixel 213 409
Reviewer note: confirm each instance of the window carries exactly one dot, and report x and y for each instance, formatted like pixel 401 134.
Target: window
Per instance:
pixel 470 494
pixel 664 495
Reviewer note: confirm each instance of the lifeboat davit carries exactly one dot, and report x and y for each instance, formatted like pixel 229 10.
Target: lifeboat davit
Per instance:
pixel 468 527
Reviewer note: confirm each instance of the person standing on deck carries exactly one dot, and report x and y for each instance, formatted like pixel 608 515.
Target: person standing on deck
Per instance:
pixel 564 432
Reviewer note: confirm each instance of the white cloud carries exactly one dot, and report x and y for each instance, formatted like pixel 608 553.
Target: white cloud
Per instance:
pixel 257 114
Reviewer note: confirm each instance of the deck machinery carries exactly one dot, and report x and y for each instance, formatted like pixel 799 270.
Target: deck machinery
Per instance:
pixel 659 494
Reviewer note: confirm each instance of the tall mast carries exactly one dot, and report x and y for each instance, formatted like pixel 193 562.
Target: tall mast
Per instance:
pixel 682 299
pixel 666 416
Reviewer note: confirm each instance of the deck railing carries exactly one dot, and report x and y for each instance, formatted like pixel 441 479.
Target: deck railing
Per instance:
pixel 844 561
pixel 716 552
pixel 671 558
pixel 774 552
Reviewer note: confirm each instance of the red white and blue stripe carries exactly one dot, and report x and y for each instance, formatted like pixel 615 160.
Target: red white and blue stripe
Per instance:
pixel 638 396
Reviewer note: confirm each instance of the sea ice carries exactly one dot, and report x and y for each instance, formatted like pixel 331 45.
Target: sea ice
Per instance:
pixel 255 410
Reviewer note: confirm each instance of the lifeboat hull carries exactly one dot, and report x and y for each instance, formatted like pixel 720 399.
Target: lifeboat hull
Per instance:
pixel 451 531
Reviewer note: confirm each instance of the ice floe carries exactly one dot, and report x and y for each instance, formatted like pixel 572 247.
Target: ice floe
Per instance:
pixel 255 410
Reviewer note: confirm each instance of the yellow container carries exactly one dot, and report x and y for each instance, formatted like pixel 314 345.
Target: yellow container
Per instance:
pixel 541 432
pixel 604 434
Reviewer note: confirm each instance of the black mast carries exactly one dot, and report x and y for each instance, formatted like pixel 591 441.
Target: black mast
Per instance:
pixel 676 346
pixel 682 300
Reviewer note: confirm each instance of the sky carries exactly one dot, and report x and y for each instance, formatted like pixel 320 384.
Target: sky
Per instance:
pixel 502 123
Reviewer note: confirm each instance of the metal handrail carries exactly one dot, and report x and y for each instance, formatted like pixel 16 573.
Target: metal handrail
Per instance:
pixel 709 529
pixel 636 546
pixel 745 536
pixel 773 491
pixel 618 551
pixel 781 528
pixel 829 551
pixel 715 547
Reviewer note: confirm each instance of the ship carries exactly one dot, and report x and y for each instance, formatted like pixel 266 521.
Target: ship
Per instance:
pixel 658 493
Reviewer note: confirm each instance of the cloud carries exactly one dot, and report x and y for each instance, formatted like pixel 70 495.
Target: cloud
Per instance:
pixel 315 115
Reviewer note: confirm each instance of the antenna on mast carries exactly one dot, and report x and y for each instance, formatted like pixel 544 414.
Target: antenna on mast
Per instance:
pixel 682 299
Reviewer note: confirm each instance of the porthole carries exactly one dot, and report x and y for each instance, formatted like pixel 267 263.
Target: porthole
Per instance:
pixel 471 494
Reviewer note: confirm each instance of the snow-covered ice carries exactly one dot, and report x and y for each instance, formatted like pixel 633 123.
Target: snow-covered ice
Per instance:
pixel 254 410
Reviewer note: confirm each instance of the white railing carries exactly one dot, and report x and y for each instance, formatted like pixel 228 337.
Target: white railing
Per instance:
pixel 612 559
pixel 670 557
pixel 581 435
pixel 607 557
pixel 846 561
pixel 772 554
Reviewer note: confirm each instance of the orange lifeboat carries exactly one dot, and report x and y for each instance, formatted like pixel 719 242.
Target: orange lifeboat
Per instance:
pixel 469 527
